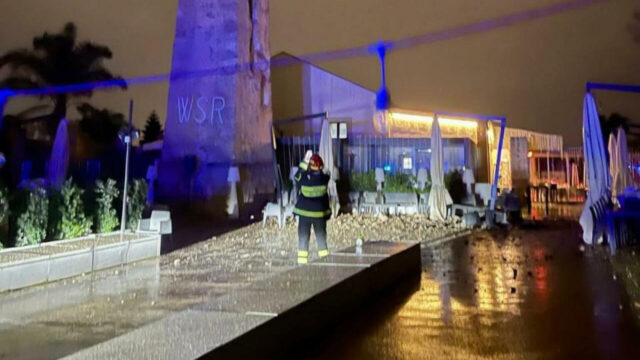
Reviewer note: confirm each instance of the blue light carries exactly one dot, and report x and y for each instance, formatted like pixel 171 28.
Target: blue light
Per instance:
pixel 379 48
pixel 382 95
pixel 5 94
pixel 387 168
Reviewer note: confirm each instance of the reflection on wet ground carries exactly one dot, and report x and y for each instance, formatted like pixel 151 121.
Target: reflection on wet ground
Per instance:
pixel 526 294
pixel 556 211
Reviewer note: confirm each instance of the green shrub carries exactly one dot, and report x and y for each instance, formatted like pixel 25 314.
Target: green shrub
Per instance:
pixel 105 217
pixel 136 203
pixel 399 183
pixel 32 223
pixel 4 204
pixel 71 219
pixel 54 214
pixel 4 214
pixel 363 181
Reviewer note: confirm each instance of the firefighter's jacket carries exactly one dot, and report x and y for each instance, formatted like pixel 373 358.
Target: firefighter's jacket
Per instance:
pixel 313 200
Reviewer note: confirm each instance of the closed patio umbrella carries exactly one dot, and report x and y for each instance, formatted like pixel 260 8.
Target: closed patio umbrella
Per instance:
pixel 59 160
pixel 623 179
pixel 575 176
pixel 326 153
pixel 614 161
pixel 595 161
pixel 439 197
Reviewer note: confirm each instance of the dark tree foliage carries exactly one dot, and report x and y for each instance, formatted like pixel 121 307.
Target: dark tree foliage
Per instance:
pixel 615 121
pixel 57 59
pixel 152 129
pixel 634 28
pixel 101 125
pixel 136 202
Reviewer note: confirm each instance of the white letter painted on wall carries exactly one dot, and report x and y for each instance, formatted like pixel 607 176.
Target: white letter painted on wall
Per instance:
pixel 184 109
pixel 203 116
pixel 217 109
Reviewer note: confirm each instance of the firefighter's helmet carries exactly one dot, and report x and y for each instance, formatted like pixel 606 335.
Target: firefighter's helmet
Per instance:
pixel 315 163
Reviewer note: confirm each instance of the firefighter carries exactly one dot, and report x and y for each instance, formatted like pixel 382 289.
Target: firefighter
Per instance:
pixel 312 207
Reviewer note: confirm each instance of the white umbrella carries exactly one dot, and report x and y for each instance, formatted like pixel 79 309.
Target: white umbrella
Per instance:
pixel 233 177
pixel 595 162
pixel 59 160
pixel 575 177
pixel 293 198
pixel 326 153
pixel 439 197
pixel 623 178
pixel 614 161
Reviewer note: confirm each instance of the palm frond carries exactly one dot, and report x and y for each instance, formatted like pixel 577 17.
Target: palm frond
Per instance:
pixel 57 46
pixel 18 82
pixel 40 109
pixel 103 74
pixel 90 53
pixel 22 58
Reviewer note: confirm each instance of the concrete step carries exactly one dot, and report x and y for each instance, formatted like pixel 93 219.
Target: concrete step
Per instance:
pixel 269 317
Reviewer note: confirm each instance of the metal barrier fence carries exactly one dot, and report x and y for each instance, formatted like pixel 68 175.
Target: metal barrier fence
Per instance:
pixel 366 153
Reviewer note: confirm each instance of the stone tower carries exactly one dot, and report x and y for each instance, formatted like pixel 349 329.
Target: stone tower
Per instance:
pixel 219 106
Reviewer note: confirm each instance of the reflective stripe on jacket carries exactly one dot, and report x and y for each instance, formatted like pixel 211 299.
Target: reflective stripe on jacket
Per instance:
pixel 313 201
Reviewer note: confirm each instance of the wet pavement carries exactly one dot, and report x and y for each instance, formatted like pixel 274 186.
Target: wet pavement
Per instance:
pixel 60 318
pixel 525 294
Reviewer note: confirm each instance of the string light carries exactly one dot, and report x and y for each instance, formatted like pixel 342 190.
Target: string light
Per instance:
pixel 429 119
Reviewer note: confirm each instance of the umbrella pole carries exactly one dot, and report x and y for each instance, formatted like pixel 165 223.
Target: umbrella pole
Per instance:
pixel 127 140
pixel 496 175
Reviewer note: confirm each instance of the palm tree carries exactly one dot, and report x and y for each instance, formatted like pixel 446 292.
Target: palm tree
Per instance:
pixel 634 27
pixel 101 125
pixel 57 59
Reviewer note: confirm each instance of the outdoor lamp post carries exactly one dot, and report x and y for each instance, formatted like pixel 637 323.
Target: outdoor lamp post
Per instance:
pixel 126 136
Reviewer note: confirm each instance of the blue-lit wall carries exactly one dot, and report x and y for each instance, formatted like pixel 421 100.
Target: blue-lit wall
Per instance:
pixel 222 118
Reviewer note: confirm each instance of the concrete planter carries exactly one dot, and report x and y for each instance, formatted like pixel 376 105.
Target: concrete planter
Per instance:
pixel 51 261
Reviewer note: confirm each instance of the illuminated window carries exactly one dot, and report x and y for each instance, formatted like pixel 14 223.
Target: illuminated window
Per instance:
pixel 407 163
pixel 334 130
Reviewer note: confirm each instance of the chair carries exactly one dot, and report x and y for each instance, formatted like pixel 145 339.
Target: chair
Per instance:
pixel 600 211
pixel 288 213
pixel 483 192
pixel 354 199
pixel 423 203
pixel 369 202
pixel 401 202
pixel 158 223
pixel 273 210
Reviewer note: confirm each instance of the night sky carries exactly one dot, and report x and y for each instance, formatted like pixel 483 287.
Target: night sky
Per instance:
pixel 533 73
